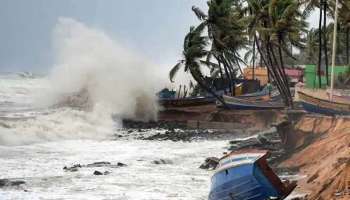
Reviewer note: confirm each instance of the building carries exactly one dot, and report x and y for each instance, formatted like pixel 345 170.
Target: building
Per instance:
pixel 311 77
pixel 260 73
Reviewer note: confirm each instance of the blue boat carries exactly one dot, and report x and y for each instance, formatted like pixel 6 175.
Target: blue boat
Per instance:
pixel 323 106
pixel 247 176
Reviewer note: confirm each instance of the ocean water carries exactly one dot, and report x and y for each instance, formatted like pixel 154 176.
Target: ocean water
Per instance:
pixel 37 141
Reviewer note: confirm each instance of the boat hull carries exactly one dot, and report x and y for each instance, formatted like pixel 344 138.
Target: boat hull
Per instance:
pixel 247 176
pixel 244 182
pixel 187 102
pixel 252 104
pixel 322 106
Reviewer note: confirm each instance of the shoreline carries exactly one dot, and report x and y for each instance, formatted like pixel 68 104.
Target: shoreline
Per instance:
pixel 313 148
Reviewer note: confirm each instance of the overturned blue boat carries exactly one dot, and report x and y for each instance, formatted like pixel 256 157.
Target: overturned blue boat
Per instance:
pixel 247 176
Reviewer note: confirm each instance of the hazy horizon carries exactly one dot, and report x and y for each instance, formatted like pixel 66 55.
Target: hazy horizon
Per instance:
pixel 152 29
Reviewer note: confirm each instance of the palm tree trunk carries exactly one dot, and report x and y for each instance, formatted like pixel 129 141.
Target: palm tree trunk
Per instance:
pixel 205 87
pixel 284 72
pixel 320 46
pixel 276 76
pixel 178 95
pixel 325 38
pixel 232 76
pixel 221 73
pixel 347 45
pixel 228 76
pixel 253 70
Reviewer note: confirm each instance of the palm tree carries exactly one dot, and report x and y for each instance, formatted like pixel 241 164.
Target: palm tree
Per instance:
pixel 193 51
pixel 310 52
pixel 310 5
pixel 344 19
pixel 225 24
pixel 277 24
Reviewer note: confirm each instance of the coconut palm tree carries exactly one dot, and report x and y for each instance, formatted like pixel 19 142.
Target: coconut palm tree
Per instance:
pixel 194 49
pixel 226 25
pixel 344 19
pixel 277 24
pixel 310 52
pixel 323 6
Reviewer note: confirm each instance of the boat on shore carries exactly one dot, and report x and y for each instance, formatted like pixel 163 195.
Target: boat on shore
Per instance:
pixel 321 105
pixel 253 103
pixel 246 176
pixel 187 102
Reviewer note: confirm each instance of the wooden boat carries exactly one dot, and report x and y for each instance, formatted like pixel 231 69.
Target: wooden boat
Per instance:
pixel 339 97
pixel 253 103
pixel 186 102
pixel 246 176
pixel 321 105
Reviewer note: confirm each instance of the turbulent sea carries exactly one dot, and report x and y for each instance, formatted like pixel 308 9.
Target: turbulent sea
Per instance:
pixel 36 142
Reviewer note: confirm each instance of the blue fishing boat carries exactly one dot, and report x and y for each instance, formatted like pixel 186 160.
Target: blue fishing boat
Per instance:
pixel 253 103
pixel 324 106
pixel 247 176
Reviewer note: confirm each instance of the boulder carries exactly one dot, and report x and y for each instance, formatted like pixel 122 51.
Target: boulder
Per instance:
pixel 10 183
pixel 210 163
pixel 98 173
pixel 74 168
pixel 162 161
pixel 99 164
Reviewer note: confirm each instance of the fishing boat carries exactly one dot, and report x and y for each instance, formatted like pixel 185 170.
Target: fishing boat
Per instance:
pixel 340 96
pixel 322 105
pixel 328 105
pixel 246 175
pixel 253 103
pixel 187 102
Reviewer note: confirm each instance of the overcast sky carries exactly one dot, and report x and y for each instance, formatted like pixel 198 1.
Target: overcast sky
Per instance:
pixel 154 28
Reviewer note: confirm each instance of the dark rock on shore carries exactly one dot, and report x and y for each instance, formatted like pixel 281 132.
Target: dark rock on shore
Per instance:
pixel 266 140
pixel 98 173
pixel 10 183
pixel 162 161
pixel 190 135
pixel 130 124
pixel 119 164
pixel 99 164
pixel 210 163
pixel 73 168
pixel 76 167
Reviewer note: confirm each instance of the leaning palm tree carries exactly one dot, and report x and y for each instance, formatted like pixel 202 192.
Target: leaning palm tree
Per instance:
pixel 277 24
pixel 194 49
pixel 226 30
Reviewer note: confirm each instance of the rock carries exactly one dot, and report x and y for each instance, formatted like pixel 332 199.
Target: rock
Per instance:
pixel 241 144
pixel 17 183
pixel 74 168
pixel 106 173
pixel 9 183
pixel 3 182
pixel 98 173
pixel 210 163
pixel 162 161
pixel 99 164
pixel 119 164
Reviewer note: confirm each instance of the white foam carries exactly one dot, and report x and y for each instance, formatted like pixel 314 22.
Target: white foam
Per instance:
pixel 87 58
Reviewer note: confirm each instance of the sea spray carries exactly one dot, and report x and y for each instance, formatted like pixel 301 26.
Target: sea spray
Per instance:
pixel 89 60
pixel 89 66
